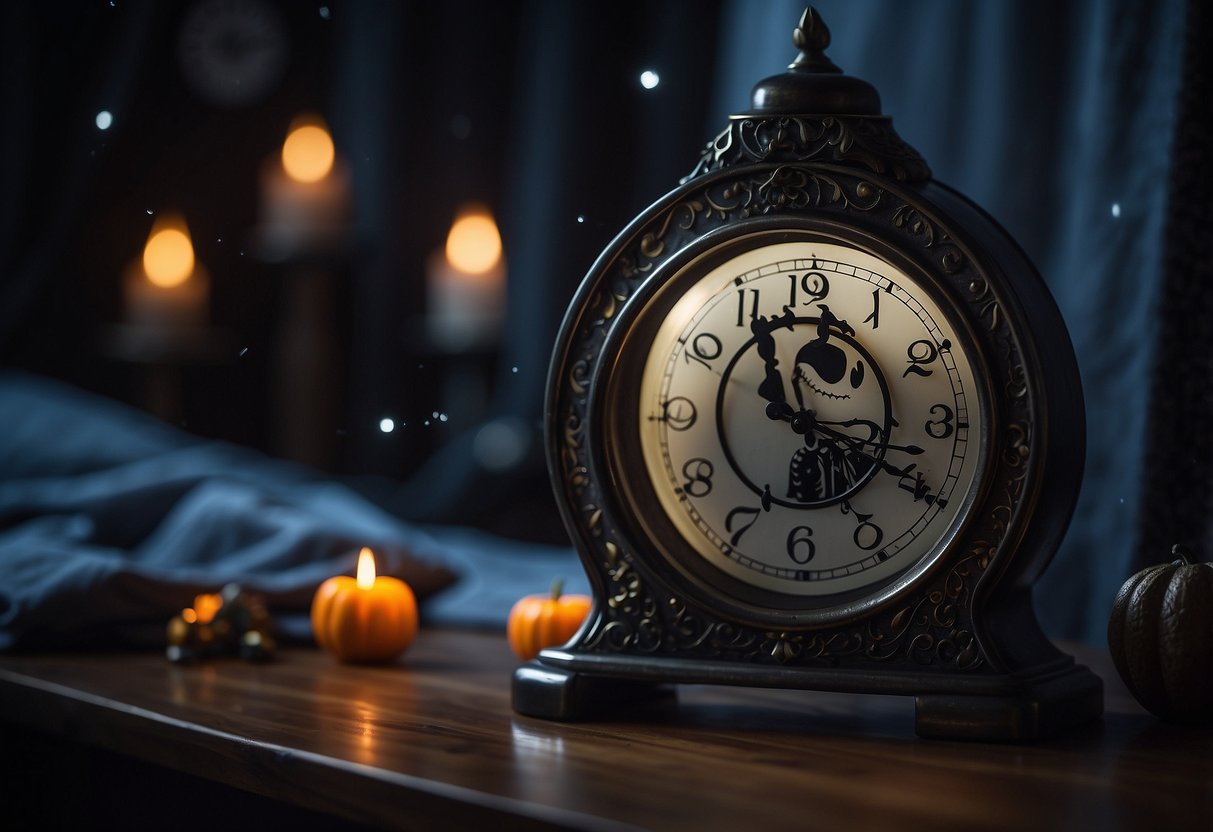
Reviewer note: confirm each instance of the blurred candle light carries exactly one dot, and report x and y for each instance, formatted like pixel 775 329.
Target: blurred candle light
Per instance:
pixel 305 191
pixel 308 153
pixel 167 289
pixel 466 282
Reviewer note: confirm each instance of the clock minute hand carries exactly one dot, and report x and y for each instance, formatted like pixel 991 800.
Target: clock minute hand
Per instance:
pixel 857 441
pixel 918 488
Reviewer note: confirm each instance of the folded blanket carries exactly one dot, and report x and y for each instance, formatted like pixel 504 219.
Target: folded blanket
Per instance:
pixel 111 522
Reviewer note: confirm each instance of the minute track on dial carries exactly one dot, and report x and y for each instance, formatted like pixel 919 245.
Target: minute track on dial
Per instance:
pixel 801 436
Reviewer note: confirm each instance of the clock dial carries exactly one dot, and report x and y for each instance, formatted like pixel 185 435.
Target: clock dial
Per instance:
pixel 808 417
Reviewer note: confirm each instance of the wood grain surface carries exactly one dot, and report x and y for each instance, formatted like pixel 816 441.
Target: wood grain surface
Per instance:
pixel 431 740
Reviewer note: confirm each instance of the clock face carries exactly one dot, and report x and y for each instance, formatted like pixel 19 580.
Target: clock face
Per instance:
pixel 808 416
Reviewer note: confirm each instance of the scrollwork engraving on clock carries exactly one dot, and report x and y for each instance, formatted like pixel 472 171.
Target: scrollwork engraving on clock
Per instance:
pixel 869 143
pixel 778 189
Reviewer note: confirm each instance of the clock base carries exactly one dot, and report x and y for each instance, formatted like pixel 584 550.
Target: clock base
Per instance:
pixel 568 696
pixel 1012 709
pixel 1039 710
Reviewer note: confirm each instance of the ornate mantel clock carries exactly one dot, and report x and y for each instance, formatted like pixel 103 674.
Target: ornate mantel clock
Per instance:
pixel 814 421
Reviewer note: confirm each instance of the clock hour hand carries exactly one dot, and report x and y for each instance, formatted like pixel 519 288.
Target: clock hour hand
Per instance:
pixel 771 387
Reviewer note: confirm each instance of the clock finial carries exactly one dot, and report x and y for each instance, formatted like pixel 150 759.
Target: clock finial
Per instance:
pixel 811 36
pixel 813 111
pixel 813 83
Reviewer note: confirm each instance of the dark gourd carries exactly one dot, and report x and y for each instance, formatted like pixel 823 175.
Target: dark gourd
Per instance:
pixel 1160 635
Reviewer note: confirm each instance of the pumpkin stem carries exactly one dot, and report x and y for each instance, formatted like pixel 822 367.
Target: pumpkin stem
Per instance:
pixel 557 588
pixel 1183 555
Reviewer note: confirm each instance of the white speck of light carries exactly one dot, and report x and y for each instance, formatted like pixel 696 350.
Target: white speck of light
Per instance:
pixel 1115 209
pixel 105 119
pixel 513 369
pixel 149 212
pixel 649 79
pixel 324 12
pixel 386 425
pixel 434 415
pixel 442 417
pixel 244 352
pixel 581 218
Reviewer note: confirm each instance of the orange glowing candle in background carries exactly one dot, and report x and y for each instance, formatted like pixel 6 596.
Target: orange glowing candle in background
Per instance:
pixel 167 288
pixel 305 191
pixel 367 618
pixel 308 153
pixel 465 283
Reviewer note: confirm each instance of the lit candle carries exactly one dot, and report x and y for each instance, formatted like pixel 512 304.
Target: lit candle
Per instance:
pixel 167 289
pixel 305 190
pixel 367 618
pixel 466 283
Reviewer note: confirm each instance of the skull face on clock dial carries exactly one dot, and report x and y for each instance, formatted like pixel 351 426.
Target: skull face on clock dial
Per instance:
pixel 808 417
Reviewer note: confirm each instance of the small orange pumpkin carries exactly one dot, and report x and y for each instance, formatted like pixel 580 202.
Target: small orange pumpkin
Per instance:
pixel 365 619
pixel 1160 635
pixel 539 621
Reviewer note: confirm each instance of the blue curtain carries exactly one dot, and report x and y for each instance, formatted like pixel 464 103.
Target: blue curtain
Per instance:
pixel 1057 118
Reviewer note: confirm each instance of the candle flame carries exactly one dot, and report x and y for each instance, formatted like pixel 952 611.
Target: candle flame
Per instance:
pixel 366 569
pixel 307 153
pixel 474 243
pixel 168 257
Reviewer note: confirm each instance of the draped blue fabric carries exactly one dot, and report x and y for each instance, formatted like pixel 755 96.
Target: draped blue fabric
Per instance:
pixel 1057 119
pixel 111 522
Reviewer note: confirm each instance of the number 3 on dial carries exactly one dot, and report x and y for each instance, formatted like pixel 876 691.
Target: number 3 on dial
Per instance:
pixel 808 421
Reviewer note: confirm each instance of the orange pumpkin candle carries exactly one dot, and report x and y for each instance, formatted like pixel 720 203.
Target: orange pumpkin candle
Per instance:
pixel 364 619
pixel 539 621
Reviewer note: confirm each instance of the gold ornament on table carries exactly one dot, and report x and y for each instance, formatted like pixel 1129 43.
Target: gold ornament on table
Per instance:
pixel 231 622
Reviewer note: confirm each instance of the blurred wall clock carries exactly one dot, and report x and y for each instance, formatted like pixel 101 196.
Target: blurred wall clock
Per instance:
pixel 232 52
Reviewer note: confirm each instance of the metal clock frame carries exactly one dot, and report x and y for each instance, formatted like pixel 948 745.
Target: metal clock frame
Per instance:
pixel 959 632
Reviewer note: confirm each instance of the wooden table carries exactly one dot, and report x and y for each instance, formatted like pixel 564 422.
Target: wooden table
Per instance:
pixel 432 743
